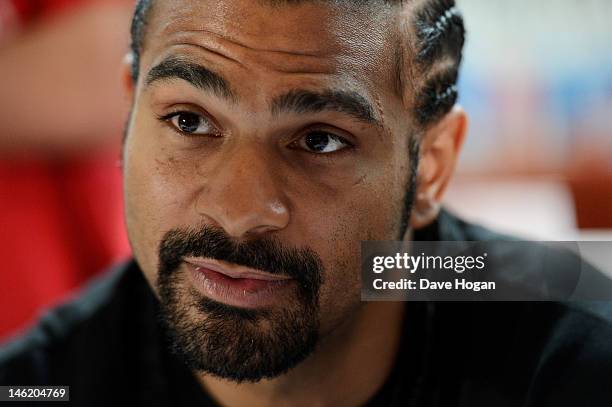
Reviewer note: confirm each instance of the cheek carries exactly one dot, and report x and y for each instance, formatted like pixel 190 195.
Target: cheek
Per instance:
pixel 369 211
pixel 156 196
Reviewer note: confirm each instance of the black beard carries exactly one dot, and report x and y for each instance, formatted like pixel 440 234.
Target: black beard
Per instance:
pixel 231 342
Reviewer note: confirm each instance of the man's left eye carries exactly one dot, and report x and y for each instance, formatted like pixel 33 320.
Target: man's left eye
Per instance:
pixel 322 142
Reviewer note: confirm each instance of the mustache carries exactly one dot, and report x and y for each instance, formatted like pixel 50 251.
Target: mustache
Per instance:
pixel 265 254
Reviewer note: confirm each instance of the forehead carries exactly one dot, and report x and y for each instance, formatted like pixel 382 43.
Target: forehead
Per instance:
pixel 292 39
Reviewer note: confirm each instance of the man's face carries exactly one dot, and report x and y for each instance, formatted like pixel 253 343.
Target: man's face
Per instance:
pixel 265 143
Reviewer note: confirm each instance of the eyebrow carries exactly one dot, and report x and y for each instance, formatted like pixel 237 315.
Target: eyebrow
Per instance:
pixel 197 75
pixel 305 101
pixel 296 101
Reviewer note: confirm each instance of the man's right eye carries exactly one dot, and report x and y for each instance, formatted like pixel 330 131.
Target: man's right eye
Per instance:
pixel 190 123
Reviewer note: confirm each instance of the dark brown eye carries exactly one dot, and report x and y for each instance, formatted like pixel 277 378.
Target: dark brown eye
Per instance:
pixel 322 142
pixel 191 123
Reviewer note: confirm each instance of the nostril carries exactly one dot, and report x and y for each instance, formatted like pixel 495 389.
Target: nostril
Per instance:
pixel 260 230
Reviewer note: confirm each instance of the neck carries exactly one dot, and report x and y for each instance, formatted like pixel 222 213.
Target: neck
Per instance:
pixel 348 367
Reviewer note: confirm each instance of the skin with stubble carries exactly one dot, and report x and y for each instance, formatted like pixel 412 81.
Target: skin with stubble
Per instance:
pixel 270 139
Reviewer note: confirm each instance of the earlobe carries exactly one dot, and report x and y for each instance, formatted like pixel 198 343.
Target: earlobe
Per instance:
pixel 424 211
pixel 440 149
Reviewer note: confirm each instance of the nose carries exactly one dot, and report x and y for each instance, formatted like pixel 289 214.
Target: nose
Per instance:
pixel 243 194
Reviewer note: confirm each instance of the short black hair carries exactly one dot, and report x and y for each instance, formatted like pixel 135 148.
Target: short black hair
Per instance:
pixel 432 50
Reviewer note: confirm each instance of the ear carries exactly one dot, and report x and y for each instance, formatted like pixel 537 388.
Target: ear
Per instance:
pixel 126 76
pixel 128 90
pixel 440 149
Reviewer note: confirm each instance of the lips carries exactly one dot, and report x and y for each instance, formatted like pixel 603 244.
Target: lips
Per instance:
pixel 235 272
pixel 235 285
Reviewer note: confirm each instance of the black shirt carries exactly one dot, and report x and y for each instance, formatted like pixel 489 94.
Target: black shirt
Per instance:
pixel 107 346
